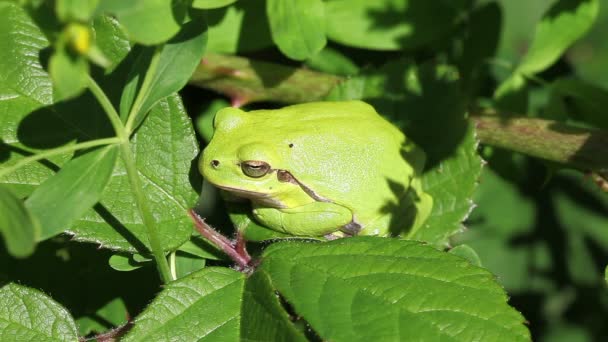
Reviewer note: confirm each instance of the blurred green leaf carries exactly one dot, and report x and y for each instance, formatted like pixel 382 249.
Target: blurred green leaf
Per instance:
pixel 466 252
pixel 19 228
pixel 147 22
pixel 111 40
pixel 210 4
pixel 580 100
pixel 75 10
pixel 512 95
pixel 69 73
pixel 389 24
pixel 241 27
pixel 564 23
pixel 420 294
pixel 177 61
pixel 297 26
pixel 201 248
pixel 29 315
pixel 332 61
pixel 65 197
pixel 164 147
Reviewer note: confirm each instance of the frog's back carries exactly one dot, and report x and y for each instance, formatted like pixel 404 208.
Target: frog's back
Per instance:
pixel 345 152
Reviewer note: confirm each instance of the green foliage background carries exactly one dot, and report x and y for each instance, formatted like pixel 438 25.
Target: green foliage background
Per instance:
pixel 540 227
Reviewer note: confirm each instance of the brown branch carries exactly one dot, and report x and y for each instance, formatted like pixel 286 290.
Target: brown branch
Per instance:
pixel 246 80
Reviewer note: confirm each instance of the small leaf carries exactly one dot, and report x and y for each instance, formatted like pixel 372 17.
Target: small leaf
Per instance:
pixel 210 4
pixel 177 62
pixel 564 23
pixel 466 252
pixel 201 248
pixel 124 262
pixel 69 73
pixel 297 27
pixel 113 313
pixel 65 197
pixel 366 289
pixel 147 21
pixel 204 306
pixel 29 315
pixel 18 227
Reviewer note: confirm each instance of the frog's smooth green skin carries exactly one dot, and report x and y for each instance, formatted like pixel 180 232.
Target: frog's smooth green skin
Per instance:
pixel 319 169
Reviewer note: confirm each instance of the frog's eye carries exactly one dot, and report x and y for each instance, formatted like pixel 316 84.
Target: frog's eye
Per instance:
pixel 255 168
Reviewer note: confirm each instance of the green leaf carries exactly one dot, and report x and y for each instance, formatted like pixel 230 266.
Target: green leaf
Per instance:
pixel 367 288
pixel 297 27
pixel 466 252
pixel 75 10
pixel 512 94
pixel 69 73
pixel 186 264
pixel 451 183
pixel 215 304
pixel 177 61
pixel 18 227
pixel 263 316
pixel 201 248
pixel 65 197
pixel 164 147
pixel 564 23
pixel 389 24
pixel 581 100
pixel 29 315
pixel 111 40
pixel 115 313
pixel 124 262
pixel 147 22
pixel 204 306
pixel 210 4
pixel 332 61
pixel 241 27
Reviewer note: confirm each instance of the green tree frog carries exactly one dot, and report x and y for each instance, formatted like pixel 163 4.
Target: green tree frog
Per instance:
pixel 323 169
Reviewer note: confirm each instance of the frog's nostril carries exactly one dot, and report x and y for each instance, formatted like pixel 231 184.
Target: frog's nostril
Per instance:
pixel 215 163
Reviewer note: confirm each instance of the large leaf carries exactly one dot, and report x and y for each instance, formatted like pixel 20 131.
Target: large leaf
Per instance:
pixel 164 148
pixel 65 197
pixel 19 228
pixel 564 23
pixel 369 288
pixel 29 315
pixel 389 24
pixel 215 304
pixel 297 26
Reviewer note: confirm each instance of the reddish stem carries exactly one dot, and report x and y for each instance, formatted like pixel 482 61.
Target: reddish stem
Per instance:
pixel 238 254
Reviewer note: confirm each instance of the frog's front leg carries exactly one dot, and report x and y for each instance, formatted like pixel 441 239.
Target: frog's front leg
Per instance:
pixel 313 219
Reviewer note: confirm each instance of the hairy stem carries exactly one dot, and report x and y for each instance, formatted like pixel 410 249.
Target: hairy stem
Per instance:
pixel 245 80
